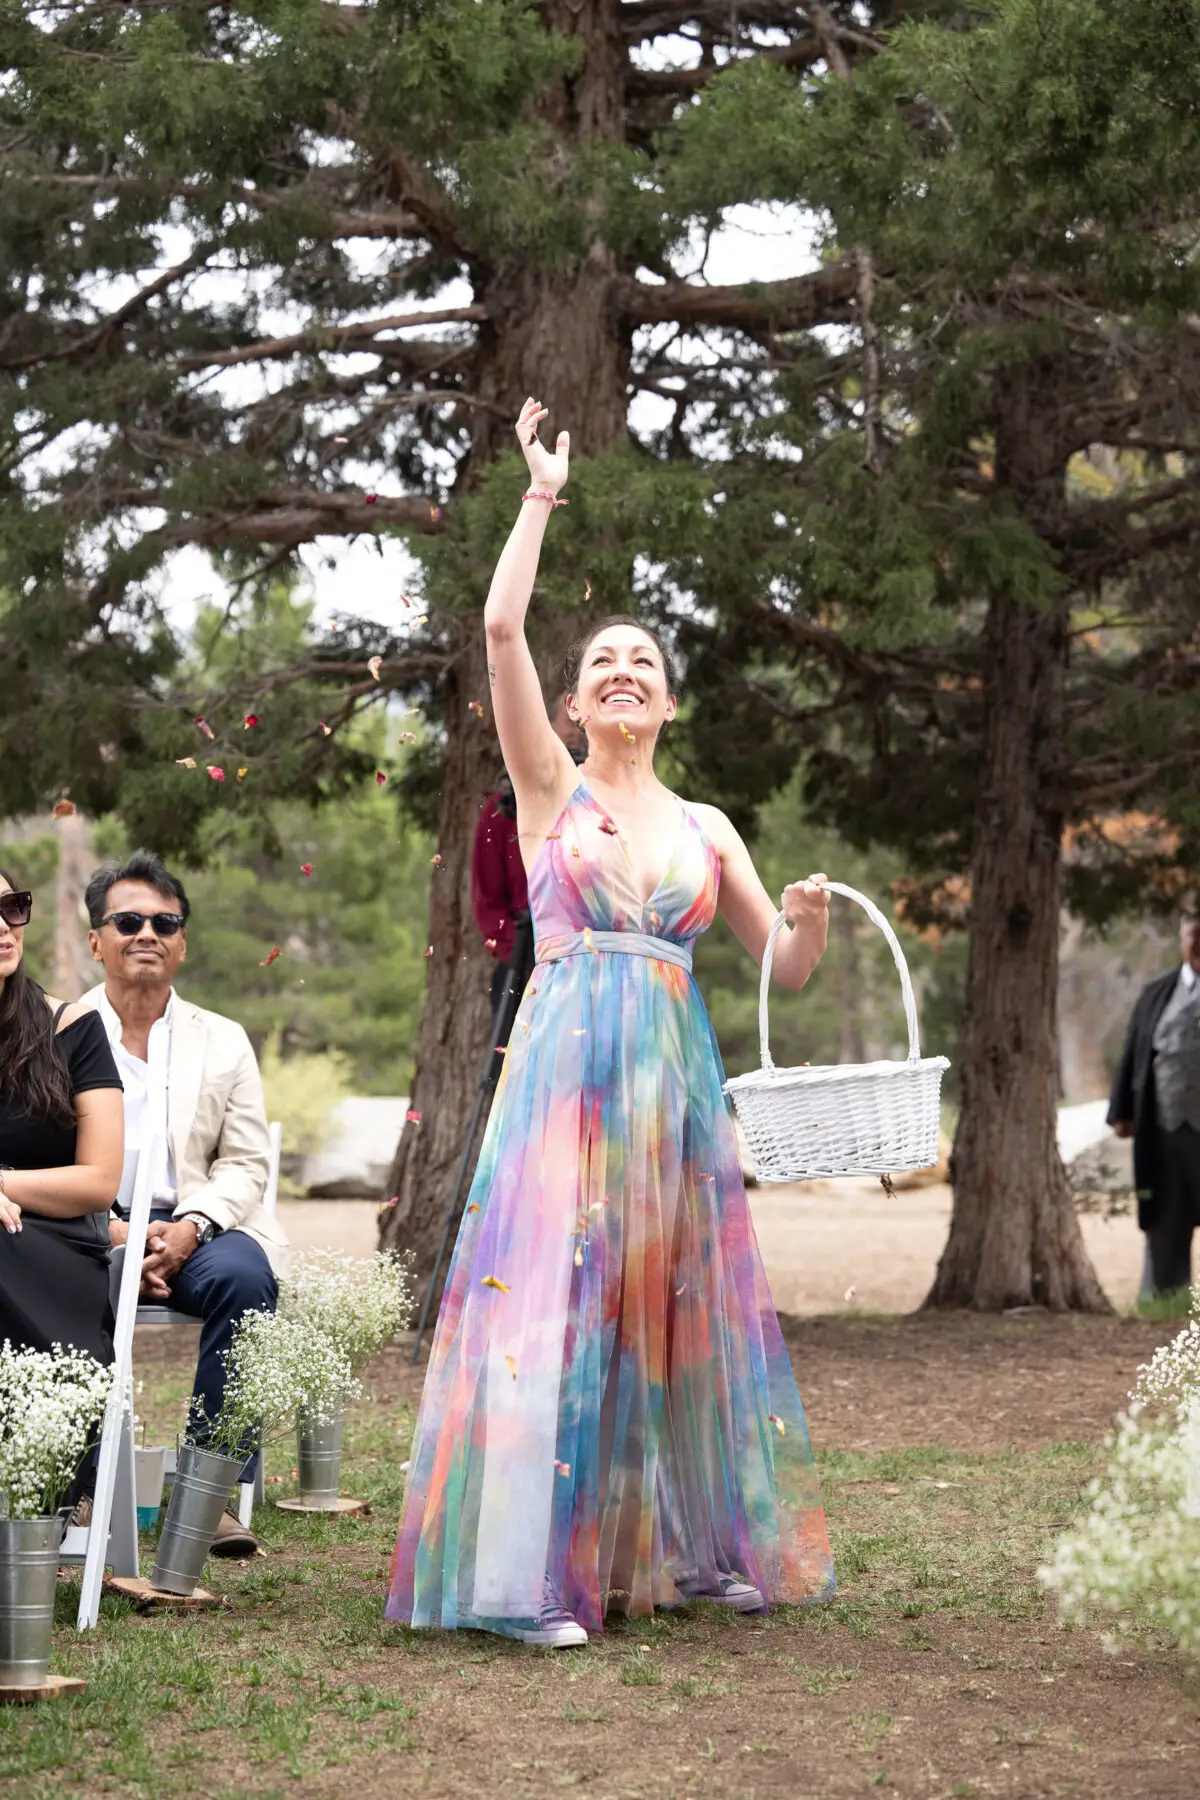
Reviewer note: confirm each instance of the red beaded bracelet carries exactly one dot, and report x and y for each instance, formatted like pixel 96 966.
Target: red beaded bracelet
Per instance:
pixel 541 494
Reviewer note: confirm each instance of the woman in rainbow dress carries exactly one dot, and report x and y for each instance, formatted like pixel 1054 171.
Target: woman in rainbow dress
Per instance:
pixel 609 1418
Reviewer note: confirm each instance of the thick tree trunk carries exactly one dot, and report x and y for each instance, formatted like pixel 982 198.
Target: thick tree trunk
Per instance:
pixel 558 337
pixel 454 1025
pixel 73 967
pixel 1014 1235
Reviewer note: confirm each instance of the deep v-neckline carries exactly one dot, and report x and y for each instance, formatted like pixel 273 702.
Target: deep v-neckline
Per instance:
pixel 685 819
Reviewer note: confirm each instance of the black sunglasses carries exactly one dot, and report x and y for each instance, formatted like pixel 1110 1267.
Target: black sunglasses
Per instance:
pixel 16 908
pixel 128 924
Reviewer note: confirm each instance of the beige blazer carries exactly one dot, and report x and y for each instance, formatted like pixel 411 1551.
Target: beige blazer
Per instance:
pixel 218 1124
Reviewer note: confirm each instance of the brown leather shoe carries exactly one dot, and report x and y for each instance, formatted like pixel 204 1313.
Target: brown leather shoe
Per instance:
pixel 233 1538
pixel 83 1511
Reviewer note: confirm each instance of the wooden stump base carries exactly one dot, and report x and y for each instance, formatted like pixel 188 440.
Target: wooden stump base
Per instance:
pixel 339 1505
pixel 54 1687
pixel 152 1599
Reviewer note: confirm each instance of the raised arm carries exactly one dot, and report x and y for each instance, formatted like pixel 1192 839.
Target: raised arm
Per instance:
pixel 537 761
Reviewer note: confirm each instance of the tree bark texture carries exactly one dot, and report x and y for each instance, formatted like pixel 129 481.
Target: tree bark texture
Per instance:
pixel 73 967
pixel 1014 1237
pixel 562 339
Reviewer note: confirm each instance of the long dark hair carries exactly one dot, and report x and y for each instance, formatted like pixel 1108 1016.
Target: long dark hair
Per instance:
pixel 32 1074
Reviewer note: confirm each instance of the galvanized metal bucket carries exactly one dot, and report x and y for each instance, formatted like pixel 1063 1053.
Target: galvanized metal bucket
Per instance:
pixel 203 1482
pixel 28 1568
pixel 319 1459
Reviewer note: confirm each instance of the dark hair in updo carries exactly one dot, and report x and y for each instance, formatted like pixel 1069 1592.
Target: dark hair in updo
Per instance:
pixel 576 652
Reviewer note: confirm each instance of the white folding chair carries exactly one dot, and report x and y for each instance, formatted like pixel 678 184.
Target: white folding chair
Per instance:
pixel 250 1493
pixel 112 1535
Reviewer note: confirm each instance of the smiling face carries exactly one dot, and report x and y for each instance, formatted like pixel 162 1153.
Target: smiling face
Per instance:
pixel 145 959
pixel 12 941
pixel 622 681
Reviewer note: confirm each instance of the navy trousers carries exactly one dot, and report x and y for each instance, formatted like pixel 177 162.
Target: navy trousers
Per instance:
pixel 219 1282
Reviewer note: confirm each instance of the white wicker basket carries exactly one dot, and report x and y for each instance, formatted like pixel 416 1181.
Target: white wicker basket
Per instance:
pixel 854 1119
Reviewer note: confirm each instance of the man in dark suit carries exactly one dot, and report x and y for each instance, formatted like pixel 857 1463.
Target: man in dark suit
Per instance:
pixel 1156 1102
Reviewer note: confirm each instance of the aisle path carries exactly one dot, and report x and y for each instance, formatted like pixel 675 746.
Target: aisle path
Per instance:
pixel 818 1240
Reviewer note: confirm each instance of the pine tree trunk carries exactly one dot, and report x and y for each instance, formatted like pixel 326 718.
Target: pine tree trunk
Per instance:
pixel 1014 1235
pixel 561 339
pixel 73 968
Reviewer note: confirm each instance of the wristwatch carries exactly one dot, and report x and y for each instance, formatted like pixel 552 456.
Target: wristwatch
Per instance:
pixel 206 1231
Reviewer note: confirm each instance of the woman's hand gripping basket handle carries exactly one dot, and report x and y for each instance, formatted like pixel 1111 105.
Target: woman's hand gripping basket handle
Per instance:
pixel 876 917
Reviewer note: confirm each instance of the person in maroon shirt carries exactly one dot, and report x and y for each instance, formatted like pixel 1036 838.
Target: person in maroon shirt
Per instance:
pixel 499 893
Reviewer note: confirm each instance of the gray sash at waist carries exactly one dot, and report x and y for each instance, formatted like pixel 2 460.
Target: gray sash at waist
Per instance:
pixel 620 943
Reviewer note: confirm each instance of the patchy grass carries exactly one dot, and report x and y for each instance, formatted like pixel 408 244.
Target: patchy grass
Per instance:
pixel 1175 1305
pixel 937 1670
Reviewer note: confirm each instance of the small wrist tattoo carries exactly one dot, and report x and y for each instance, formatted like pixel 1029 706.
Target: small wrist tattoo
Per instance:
pixel 492 674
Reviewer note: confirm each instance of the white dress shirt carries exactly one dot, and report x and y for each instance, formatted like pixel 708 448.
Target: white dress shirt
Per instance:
pixel 147 1099
pixel 1188 976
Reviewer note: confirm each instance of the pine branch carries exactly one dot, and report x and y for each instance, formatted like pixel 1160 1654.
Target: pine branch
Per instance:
pixel 95 339
pixel 652 84
pixel 824 297
pixel 716 21
pixel 332 338
pixel 342 222
pixel 1090 789
pixel 297 516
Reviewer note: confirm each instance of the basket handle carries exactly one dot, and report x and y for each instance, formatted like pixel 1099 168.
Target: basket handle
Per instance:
pixel 876 917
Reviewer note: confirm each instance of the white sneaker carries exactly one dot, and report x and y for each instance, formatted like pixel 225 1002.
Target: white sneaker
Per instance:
pixel 556 1629
pixel 728 1591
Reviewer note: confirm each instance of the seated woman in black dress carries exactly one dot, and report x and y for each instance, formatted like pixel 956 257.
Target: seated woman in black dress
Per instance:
pixel 62 1142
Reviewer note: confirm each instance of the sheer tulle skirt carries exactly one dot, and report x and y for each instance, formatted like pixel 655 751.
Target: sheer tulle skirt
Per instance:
pixel 609 1404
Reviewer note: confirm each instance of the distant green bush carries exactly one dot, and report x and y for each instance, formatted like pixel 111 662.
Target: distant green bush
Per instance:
pixel 302 1089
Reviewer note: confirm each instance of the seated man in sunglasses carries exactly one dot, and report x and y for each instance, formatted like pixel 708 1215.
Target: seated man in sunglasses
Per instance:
pixel 194 1104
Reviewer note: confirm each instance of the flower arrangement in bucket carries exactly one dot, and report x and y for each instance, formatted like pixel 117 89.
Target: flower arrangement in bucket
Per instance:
pixel 52 1405
pixel 357 1304
pixel 1135 1554
pixel 277 1370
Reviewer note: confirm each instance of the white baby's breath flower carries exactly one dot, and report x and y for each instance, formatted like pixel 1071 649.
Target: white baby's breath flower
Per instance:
pixel 51 1406
pixel 359 1303
pixel 1136 1552
pixel 276 1369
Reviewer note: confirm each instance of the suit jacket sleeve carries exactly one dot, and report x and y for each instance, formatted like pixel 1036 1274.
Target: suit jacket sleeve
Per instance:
pixel 1121 1104
pixel 238 1174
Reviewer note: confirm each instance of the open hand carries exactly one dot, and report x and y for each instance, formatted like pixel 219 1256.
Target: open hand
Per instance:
pixel 807 902
pixel 546 470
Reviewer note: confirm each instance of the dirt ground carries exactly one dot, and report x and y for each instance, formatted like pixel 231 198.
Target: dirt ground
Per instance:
pixel 953 1448
pixel 818 1240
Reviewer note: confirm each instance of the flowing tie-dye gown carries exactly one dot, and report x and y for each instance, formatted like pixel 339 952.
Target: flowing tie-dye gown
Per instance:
pixel 609 1408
